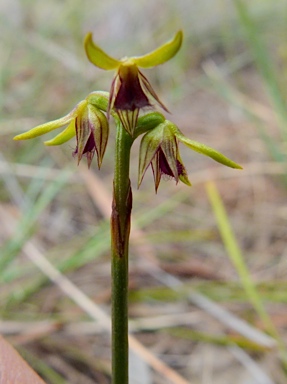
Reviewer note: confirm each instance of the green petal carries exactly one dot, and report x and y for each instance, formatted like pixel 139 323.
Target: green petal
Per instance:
pixel 97 56
pixel 148 147
pixel 170 150
pixel 44 128
pixel 161 54
pixel 64 136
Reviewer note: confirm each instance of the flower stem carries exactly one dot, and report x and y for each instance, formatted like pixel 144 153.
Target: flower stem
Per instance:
pixel 120 231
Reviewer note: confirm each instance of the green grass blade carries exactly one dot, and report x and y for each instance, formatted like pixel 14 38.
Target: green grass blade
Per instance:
pixel 41 367
pixel 236 257
pixel 28 221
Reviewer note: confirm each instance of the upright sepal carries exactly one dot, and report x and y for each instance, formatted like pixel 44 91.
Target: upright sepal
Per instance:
pixel 160 55
pixel 97 56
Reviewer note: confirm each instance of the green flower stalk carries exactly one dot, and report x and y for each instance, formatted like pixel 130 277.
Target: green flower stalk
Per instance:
pixel 88 122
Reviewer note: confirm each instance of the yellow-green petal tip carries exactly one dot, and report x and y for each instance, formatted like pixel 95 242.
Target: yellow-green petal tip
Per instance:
pixel 97 56
pixel 162 54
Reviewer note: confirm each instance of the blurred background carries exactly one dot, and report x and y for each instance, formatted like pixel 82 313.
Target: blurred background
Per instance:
pixel 209 263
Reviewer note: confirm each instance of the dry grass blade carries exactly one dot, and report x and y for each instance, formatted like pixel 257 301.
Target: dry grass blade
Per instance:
pixel 259 376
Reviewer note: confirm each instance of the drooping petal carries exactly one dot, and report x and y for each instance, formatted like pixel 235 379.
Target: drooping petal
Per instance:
pixel 204 149
pixel 161 54
pixel 83 132
pixel 169 150
pixel 150 91
pixel 97 56
pixel 100 130
pixel 115 86
pixel 63 136
pixel 44 128
pixel 156 171
pixel 148 148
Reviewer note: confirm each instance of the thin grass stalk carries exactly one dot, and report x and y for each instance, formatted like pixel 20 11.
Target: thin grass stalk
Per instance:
pixel 237 259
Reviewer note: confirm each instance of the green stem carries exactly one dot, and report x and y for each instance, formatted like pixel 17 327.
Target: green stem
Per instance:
pixel 120 231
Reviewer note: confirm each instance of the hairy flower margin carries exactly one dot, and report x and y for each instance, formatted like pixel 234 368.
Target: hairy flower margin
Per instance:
pixel 130 90
pixel 159 149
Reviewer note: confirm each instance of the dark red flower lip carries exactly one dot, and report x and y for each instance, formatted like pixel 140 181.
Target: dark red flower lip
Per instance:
pixel 130 92
pixel 89 150
pixel 161 167
pixel 130 95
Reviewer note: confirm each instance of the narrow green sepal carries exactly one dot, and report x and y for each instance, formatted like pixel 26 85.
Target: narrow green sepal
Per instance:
pixel 161 54
pixel 97 56
pixel 63 136
pixel 210 152
pixel 204 149
pixel 44 128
